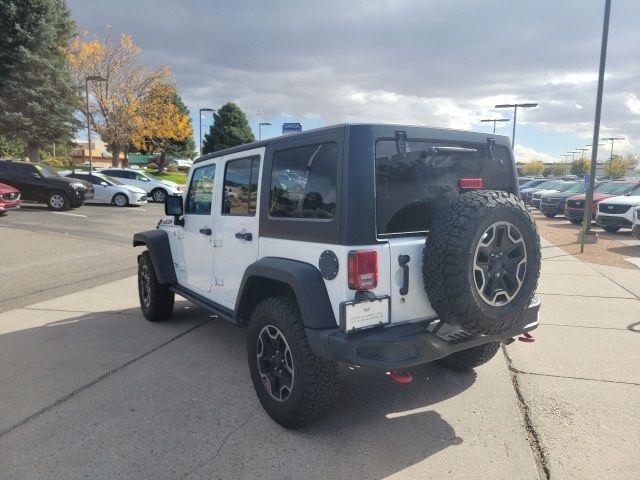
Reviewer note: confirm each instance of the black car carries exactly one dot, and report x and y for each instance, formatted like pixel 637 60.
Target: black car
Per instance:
pixel 37 182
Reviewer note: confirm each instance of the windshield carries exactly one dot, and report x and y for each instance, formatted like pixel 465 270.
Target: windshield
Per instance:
pixel 615 188
pixel 111 180
pixel 415 182
pixel 46 171
pixel 532 183
pixel 149 176
pixel 634 192
pixel 577 188
pixel 566 187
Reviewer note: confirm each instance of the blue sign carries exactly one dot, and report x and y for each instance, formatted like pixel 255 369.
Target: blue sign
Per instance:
pixel 291 128
pixel 586 178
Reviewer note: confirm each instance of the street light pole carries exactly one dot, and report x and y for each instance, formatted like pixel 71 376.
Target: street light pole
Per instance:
pixel 494 120
pixel 588 203
pixel 260 129
pixel 582 150
pixel 613 139
pixel 200 123
pixel 94 78
pixel 515 113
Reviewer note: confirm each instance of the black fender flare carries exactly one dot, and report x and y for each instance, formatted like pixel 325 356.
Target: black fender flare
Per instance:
pixel 302 278
pixel 157 242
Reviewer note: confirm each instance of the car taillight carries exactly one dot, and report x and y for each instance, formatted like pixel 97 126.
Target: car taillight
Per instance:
pixel 471 183
pixel 363 269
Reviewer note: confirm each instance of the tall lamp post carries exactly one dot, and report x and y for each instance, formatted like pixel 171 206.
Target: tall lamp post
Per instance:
pixel 582 150
pixel 494 120
pixel 515 107
pixel 588 202
pixel 200 123
pixel 613 139
pixel 92 78
pixel 260 129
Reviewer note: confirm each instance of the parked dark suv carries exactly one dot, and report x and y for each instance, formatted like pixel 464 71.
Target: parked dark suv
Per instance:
pixel 39 183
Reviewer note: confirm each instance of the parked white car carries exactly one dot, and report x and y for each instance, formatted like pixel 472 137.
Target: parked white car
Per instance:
pixel 156 189
pixel 618 212
pixel 636 222
pixel 110 190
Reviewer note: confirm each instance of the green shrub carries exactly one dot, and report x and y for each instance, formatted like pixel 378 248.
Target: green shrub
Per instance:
pixel 172 169
pixel 57 162
pixel 152 166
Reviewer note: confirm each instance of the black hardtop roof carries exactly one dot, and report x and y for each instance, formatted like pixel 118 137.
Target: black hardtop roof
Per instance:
pixel 377 130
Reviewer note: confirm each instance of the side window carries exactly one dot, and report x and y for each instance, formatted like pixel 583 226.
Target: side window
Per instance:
pixel 113 173
pixel 23 170
pixel 241 187
pixel 303 182
pixel 138 176
pixel 200 192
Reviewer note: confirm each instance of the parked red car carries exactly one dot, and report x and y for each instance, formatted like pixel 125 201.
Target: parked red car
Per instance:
pixel 574 206
pixel 9 198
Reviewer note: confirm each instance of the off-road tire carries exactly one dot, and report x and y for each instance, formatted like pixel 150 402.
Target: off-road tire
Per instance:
pixel 57 201
pixel 610 229
pixel 576 221
pixel 470 358
pixel 315 380
pixel 550 215
pixel 156 300
pixel 158 195
pixel 450 254
pixel 117 200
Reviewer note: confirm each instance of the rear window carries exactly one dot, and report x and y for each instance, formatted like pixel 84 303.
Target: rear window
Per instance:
pixel 412 188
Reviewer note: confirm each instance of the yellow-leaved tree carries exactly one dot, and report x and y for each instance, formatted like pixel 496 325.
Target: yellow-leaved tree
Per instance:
pixel 116 105
pixel 533 168
pixel 163 125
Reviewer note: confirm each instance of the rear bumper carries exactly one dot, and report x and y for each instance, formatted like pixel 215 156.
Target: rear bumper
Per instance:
pixel 406 345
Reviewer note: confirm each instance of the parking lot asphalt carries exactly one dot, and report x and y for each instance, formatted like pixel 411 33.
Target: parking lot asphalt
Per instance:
pixel 89 389
pixel 47 254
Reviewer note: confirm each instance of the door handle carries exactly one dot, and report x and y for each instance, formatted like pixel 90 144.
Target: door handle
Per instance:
pixel 403 260
pixel 244 236
pixel 206 231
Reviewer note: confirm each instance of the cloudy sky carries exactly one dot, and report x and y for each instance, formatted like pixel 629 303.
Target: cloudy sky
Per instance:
pixel 427 62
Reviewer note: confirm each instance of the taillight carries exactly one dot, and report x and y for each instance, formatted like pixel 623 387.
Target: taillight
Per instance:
pixel 471 183
pixel 363 269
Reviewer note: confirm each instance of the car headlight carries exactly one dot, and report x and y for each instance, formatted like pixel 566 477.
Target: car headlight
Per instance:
pixel 78 186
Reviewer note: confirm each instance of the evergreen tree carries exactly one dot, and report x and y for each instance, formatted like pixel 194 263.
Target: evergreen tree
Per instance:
pixel 185 148
pixel 230 128
pixel 37 96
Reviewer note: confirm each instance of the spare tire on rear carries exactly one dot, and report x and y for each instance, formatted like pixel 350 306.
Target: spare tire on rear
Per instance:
pixel 482 261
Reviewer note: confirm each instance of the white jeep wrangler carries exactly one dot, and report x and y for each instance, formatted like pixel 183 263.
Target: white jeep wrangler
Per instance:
pixel 376 245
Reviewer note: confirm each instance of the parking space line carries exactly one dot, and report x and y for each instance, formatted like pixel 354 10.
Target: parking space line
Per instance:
pixel 71 214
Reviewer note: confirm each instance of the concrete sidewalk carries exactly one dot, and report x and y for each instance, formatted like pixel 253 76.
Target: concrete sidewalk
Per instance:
pixel 580 381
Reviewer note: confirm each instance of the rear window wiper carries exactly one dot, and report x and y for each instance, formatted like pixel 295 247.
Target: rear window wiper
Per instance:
pixel 443 150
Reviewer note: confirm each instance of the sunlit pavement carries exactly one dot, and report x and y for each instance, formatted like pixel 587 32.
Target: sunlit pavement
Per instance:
pixel 92 390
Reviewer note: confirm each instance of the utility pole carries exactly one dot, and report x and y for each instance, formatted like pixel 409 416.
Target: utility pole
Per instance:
pixel 588 203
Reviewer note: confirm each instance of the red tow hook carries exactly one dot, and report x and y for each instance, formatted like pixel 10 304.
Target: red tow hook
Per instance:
pixel 527 338
pixel 400 377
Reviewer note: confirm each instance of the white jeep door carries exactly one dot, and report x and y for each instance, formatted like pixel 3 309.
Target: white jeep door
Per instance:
pixel 198 246
pixel 236 219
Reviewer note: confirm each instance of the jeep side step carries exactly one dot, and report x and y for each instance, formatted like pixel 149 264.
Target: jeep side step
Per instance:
pixel 212 307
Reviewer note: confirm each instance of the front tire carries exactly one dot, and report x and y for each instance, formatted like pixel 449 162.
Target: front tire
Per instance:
pixel 158 195
pixel 470 358
pixel 57 201
pixel 576 221
pixel 120 200
pixel 156 300
pixel 549 215
pixel 294 386
pixel 610 229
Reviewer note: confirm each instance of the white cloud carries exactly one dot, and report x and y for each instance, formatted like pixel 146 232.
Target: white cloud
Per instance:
pixel 526 155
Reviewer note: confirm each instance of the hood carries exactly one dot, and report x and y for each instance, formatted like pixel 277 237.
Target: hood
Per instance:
pixel 623 200
pixel 4 188
pixel 544 192
pixel 69 180
pixel 169 183
pixel 597 197
pixel 561 195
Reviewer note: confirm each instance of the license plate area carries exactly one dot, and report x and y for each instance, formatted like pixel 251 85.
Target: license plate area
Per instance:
pixel 358 315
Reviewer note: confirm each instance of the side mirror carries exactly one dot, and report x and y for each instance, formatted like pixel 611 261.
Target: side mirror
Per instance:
pixel 35 175
pixel 104 184
pixel 173 207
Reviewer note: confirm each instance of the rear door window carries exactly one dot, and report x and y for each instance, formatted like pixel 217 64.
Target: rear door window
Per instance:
pixel 415 181
pixel 241 187
pixel 303 182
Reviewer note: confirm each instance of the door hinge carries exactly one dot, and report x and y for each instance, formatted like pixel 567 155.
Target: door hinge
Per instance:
pixel 217 241
pixel 219 281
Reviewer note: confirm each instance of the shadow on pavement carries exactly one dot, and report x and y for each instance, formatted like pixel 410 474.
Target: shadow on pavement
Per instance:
pixel 114 393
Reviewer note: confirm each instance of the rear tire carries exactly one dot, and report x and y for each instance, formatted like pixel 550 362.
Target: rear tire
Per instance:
pixel 57 201
pixel 156 300
pixel 294 386
pixel 470 358
pixel 610 229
